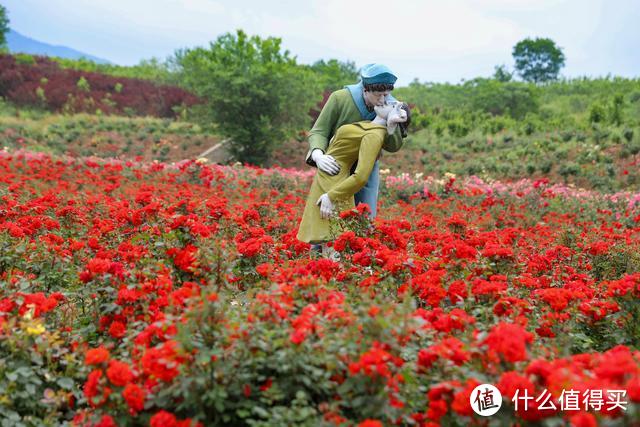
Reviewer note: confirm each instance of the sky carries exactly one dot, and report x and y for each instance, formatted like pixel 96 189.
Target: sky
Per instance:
pixel 428 40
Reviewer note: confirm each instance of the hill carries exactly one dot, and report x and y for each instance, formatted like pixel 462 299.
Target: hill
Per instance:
pixel 19 43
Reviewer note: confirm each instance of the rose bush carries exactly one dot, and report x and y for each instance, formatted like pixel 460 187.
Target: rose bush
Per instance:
pixel 175 295
pixel 36 81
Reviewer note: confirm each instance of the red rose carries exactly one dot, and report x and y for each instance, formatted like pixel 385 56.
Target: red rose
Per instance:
pixel 163 419
pixel 96 356
pixel 134 396
pixel 119 373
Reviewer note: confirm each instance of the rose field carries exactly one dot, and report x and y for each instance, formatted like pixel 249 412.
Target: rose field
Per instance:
pixel 155 294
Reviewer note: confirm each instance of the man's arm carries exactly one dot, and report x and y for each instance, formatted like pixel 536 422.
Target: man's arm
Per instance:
pixel 319 133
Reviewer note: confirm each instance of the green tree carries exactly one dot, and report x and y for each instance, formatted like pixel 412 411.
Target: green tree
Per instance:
pixel 4 26
pixel 616 109
pixel 501 73
pixel 149 69
pixel 538 60
pixel 255 93
pixel 498 98
pixel 335 74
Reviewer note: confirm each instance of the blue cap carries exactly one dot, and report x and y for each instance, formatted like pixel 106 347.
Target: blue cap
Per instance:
pixel 377 73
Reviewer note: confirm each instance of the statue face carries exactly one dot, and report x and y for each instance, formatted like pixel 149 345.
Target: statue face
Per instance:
pixel 375 98
pixel 385 110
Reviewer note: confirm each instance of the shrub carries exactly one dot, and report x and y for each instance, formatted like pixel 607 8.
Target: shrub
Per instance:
pixel 74 91
pixel 256 93
pixel 497 98
pixel 597 113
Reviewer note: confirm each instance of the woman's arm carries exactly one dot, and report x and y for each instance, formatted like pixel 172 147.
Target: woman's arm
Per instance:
pixel 393 142
pixel 369 148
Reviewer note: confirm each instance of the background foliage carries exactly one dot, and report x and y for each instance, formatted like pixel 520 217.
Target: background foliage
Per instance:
pixel 4 26
pixel 256 93
pixel 538 60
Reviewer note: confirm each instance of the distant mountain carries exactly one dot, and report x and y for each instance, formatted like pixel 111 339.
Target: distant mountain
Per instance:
pixel 21 44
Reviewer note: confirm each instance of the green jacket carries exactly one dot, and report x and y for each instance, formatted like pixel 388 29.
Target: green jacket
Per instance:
pixel 341 110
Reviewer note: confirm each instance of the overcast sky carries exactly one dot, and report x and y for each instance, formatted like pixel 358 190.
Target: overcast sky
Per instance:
pixel 432 40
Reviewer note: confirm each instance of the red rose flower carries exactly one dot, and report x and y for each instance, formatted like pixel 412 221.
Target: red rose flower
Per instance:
pixel 134 396
pixel 96 356
pixel 119 373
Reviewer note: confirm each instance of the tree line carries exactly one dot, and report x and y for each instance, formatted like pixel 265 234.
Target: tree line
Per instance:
pixel 259 95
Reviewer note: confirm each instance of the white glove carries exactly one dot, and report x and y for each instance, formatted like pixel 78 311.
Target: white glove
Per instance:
pixel 326 206
pixel 397 115
pixel 325 162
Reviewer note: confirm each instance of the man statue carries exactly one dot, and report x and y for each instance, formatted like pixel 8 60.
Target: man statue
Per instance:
pixel 352 104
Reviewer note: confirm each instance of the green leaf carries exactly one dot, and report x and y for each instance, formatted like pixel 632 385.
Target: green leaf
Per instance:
pixel 65 382
pixel 260 411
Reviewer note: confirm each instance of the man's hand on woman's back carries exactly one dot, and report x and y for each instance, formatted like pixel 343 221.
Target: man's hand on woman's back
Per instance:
pixel 325 162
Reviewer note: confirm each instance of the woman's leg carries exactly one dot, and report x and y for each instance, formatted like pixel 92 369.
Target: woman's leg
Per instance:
pixel 330 253
pixel 325 251
pixel 369 193
pixel 316 250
